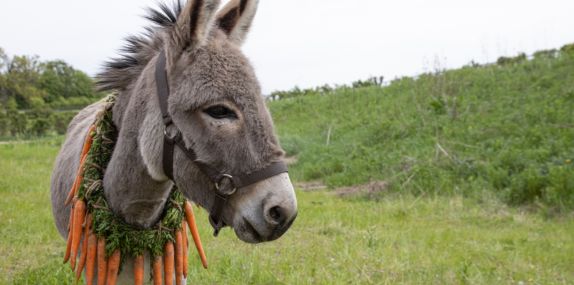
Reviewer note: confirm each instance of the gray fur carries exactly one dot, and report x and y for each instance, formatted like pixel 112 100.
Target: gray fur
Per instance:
pixel 205 68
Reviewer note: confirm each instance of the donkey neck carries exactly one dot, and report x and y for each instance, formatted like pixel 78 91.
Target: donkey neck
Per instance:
pixel 130 189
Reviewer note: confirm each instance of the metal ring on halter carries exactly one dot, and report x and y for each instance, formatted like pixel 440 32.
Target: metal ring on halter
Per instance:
pixel 223 176
pixel 167 136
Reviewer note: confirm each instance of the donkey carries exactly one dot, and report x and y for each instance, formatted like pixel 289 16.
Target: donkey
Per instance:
pixel 215 101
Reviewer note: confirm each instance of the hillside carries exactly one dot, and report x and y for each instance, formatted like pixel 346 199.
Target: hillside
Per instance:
pixel 503 130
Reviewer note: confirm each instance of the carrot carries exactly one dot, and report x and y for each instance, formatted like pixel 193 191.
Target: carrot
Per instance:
pixel 89 139
pixel 139 270
pixel 185 248
pixel 84 252
pixel 102 262
pixel 178 257
pixel 77 181
pixel 157 270
pixel 168 259
pixel 91 258
pixel 72 192
pixel 113 267
pixel 190 218
pixel 79 214
pixel 69 242
pixel 85 149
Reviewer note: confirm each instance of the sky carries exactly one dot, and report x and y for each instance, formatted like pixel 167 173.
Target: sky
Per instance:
pixel 308 43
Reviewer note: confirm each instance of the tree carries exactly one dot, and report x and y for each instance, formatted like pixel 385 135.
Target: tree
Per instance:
pixel 4 60
pixel 59 80
pixel 30 89
pixel 21 80
pixel 18 123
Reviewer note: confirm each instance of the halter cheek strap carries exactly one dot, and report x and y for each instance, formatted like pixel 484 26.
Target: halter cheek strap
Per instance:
pixel 173 137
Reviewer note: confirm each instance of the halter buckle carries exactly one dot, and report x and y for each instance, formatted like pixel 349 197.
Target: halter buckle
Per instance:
pixel 218 183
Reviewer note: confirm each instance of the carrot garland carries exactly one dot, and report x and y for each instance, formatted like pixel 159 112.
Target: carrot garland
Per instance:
pixel 104 238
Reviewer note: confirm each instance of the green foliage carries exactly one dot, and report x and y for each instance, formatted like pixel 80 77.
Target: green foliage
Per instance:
pixel 28 85
pixel 505 129
pixel 60 80
pixel 511 60
pixel 325 89
pixel 545 54
pixel 568 49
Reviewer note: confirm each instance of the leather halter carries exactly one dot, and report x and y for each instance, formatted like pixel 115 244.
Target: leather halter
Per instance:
pixel 222 190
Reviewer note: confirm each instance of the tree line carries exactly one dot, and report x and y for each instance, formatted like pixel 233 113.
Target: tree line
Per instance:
pixel 40 97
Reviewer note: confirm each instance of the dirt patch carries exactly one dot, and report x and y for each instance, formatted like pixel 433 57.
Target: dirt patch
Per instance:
pixel 369 189
pixel 310 186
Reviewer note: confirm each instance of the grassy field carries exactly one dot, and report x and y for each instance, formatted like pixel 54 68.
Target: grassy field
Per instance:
pixel 444 239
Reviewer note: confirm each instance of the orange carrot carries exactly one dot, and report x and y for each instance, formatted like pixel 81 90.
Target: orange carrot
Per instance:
pixel 69 243
pixel 85 149
pixel 84 252
pixel 77 181
pixel 168 260
pixel 72 192
pixel 185 248
pixel 91 258
pixel 178 257
pixel 88 140
pixel 190 218
pixel 102 261
pixel 139 270
pixel 79 214
pixel 157 270
pixel 113 267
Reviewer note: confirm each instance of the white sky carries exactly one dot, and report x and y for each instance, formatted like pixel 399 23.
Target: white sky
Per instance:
pixel 309 42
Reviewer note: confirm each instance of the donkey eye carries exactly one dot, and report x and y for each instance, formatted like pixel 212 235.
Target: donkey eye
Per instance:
pixel 220 112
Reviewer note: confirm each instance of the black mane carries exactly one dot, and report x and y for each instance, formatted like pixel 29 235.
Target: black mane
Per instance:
pixel 138 49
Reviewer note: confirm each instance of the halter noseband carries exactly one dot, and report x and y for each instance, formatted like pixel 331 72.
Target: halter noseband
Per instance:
pixel 222 190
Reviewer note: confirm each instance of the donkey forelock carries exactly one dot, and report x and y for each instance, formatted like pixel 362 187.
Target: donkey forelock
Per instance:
pixel 138 50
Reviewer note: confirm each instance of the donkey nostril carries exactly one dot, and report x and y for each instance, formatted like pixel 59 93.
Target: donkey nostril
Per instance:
pixel 276 214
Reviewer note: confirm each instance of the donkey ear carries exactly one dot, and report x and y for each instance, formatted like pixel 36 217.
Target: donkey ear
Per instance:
pixel 192 26
pixel 235 19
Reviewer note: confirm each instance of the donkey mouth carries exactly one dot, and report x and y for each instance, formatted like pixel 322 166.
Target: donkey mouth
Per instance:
pixel 250 229
pixel 247 232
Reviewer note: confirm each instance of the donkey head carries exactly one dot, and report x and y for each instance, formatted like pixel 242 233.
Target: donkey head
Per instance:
pixel 216 103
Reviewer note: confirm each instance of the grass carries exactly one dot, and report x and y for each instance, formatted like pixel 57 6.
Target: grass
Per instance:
pixel 435 239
